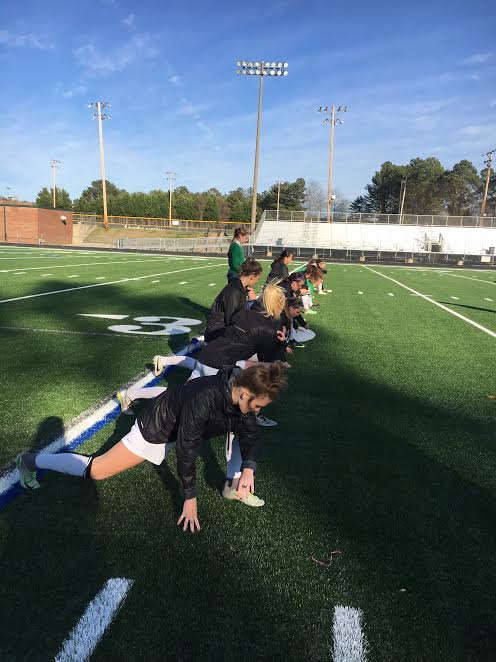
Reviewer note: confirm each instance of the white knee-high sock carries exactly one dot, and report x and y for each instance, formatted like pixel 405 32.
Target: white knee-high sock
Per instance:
pixel 64 463
pixel 187 362
pixel 145 393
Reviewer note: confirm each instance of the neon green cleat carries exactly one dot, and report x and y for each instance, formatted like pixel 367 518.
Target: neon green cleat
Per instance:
pixel 124 401
pixel 27 476
pixel 251 500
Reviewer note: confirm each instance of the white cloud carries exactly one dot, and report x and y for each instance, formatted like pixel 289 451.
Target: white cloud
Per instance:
pixel 74 91
pixel 477 58
pixel 129 20
pixel 175 80
pixel 24 40
pixel 91 58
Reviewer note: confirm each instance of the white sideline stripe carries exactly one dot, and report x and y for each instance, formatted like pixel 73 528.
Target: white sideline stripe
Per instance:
pixel 349 642
pixel 436 303
pixel 110 282
pixel 30 329
pixel 82 423
pixel 480 280
pixel 97 617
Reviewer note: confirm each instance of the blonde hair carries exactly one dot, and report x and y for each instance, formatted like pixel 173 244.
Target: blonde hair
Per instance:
pixel 274 300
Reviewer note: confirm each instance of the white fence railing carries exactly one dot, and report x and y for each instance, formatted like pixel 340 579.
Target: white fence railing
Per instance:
pixel 388 219
pixel 179 245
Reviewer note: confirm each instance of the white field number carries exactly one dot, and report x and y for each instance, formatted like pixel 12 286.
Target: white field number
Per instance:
pixel 153 325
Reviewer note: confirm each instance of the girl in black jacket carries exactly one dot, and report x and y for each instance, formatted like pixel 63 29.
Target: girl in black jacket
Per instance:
pixel 232 299
pixel 183 415
pixel 279 268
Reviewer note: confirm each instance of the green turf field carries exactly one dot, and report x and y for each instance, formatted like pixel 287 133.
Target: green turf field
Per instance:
pixel 385 451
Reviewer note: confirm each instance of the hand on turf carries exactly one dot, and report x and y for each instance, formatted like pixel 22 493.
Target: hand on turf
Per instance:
pixel 252 295
pixel 289 350
pixel 190 516
pixel 248 479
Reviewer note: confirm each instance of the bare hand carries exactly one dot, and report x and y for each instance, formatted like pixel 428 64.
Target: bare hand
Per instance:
pixel 246 483
pixel 252 295
pixel 281 335
pixel 190 516
pixel 289 350
pixel 285 364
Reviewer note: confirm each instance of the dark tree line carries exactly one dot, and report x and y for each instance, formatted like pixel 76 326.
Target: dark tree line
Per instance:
pixel 211 205
pixel 430 189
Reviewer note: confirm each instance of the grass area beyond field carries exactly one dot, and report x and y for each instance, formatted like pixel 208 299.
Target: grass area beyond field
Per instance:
pixel 385 451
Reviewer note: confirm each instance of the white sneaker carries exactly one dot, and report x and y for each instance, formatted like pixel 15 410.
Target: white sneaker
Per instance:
pixel 125 402
pixel 158 365
pixel 265 422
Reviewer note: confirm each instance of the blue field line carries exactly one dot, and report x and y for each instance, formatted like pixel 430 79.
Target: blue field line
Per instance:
pixel 16 489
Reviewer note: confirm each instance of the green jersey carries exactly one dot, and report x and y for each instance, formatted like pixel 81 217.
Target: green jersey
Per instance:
pixel 235 256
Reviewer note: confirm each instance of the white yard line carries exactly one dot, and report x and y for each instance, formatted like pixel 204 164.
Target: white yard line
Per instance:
pixel 30 329
pixel 480 280
pixel 97 617
pixel 436 303
pixel 111 282
pixel 349 642
pixel 71 266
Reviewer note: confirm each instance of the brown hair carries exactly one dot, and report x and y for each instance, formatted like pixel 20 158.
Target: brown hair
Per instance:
pixel 250 267
pixel 240 232
pixel 263 380
pixel 314 273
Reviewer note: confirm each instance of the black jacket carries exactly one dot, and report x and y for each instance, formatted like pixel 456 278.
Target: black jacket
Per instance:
pixel 231 299
pixel 250 332
pixel 199 409
pixel 278 271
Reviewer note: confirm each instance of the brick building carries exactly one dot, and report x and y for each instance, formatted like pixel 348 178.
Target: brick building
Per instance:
pixel 25 224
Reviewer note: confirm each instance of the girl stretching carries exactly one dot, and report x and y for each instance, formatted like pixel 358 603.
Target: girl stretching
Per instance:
pixel 232 299
pixel 182 416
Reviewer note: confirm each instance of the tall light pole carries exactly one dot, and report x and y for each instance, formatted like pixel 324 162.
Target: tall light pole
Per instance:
pixel 332 121
pixel 99 105
pixel 260 69
pixel 488 162
pixel 54 165
pixel 402 197
pixel 170 175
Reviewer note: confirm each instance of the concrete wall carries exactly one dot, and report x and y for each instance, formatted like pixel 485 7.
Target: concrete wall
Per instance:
pixel 370 236
pixel 29 225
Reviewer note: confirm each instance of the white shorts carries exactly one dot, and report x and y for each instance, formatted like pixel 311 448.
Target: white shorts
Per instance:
pixel 138 445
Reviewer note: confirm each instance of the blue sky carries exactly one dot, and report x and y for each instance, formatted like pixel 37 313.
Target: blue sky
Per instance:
pixel 418 78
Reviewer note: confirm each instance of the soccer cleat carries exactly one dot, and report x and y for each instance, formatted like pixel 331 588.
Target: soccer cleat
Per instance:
pixel 124 401
pixel 265 422
pixel 158 365
pixel 27 477
pixel 299 345
pixel 251 500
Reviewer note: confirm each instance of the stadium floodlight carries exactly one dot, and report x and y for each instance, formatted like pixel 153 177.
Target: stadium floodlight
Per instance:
pixel 170 176
pixel 261 68
pixel 99 105
pixel 333 120
pixel 54 165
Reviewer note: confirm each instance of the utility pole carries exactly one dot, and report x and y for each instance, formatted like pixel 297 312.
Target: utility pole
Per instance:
pixel 402 198
pixel 99 105
pixel 332 121
pixel 170 174
pixel 54 165
pixel 278 198
pixel 488 162
pixel 260 69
